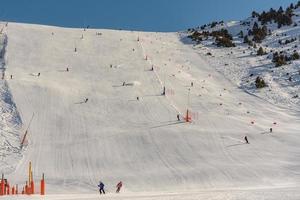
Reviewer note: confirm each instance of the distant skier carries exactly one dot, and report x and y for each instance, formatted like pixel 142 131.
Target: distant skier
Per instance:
pixel 75 49
pixel 124 83
pixel 39 74
pixel 86 100
pixel 271 130
pixel 246 140
pixel 138 98
pixel 67 69
pixel 152 68
pixel 178 117
pixel 164 91
pixel 11 76
pixel 192 84
pixel 119 185
pixel 101 187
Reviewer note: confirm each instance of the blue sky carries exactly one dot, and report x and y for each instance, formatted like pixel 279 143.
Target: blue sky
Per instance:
pixel 144 15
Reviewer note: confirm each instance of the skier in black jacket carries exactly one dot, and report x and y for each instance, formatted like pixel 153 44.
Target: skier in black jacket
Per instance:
pixel 101 187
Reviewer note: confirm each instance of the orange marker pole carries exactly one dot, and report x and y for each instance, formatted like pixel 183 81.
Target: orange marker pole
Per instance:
pixel 8 189
pixel 5 187
pixel 187 117
pixel 13 190
pixel 32 187
pixel 2 185
pixel 43 185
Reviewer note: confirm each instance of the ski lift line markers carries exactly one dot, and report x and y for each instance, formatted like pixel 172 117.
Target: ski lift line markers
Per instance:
pixel 161 83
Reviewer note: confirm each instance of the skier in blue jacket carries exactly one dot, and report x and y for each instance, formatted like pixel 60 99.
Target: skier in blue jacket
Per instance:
pixel 101 187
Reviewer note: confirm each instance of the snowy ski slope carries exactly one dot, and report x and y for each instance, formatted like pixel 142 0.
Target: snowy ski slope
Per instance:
pixel 114 136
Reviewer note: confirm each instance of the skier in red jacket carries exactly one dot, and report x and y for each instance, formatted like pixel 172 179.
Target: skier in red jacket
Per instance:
pixel 119 185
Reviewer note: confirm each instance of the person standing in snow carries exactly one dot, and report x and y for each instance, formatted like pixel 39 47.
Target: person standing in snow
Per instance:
pixel 101 187
pixel 164 91
pixel 39 74
pixel 178 117
pixel 271 130
pixel 246 140
pixel 119 185
pixel 86 100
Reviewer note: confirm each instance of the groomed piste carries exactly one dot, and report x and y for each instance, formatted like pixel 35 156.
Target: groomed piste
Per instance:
pixel 105 107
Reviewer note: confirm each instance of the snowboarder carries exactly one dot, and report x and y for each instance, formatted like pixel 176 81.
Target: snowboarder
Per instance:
pixel 178 117
pixel 86 100
pixel 119 185
pixel 271 130
pixel 101 187
pixel 246 140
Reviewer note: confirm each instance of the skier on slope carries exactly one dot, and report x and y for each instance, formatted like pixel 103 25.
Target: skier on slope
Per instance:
pixel 164 91
pixel 119 185
pixel 246 140
pixel 86 100
pixel 101 187
pixel 178 117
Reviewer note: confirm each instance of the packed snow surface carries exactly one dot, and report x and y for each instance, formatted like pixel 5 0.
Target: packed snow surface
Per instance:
pixel 105 119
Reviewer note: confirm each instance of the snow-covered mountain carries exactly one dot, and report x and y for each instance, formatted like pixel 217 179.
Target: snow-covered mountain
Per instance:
pixel 242 65
pixel 99 114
